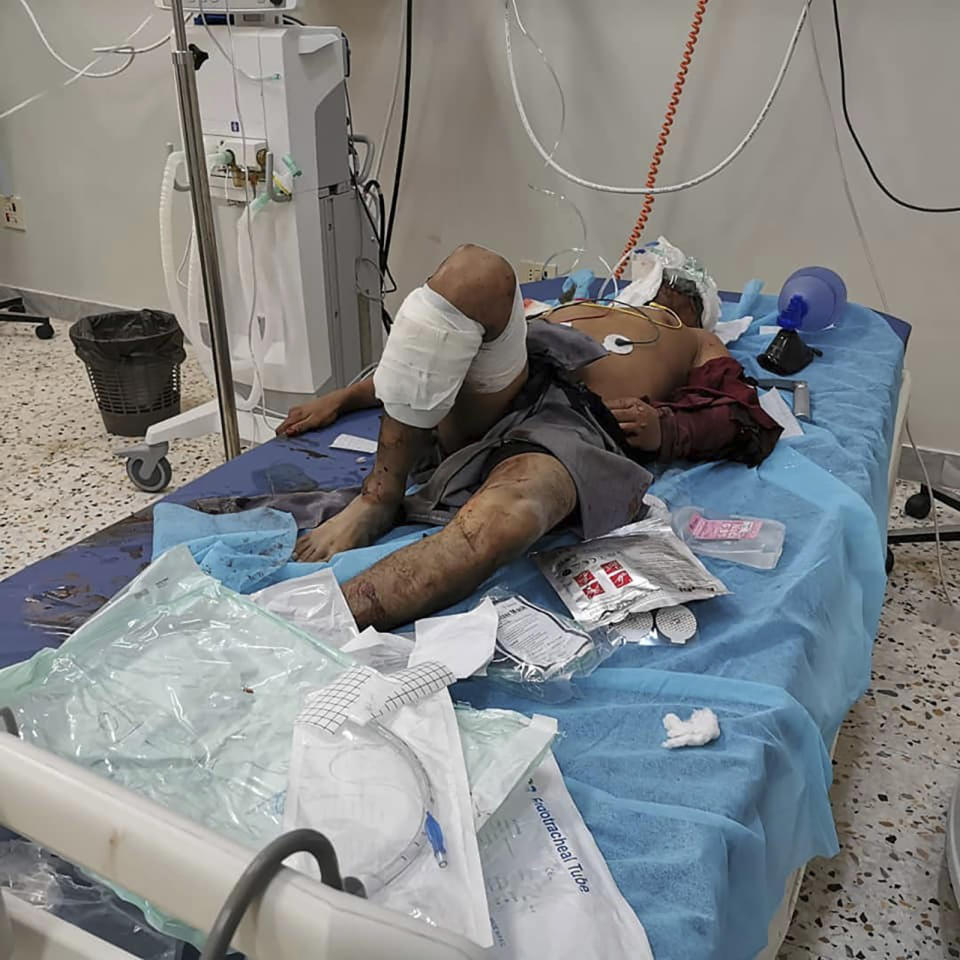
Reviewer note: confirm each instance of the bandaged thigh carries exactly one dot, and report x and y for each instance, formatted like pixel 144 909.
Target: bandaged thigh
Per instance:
pixel 433 349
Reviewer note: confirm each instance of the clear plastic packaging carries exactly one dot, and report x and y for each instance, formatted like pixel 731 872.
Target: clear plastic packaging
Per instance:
pixel 603 581
pixel 501 748
pixel 751 541
pixel 43 880
pixel 550 890
pixel 314 603
pixel 541 651
pixel 183 691
pixel 383 793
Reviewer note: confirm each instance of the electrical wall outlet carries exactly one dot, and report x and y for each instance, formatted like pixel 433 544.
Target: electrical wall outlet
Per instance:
pixel 532 270
pixel 11 213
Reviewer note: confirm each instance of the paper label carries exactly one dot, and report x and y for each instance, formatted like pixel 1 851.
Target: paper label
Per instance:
pixel 732 529
pixel 534 636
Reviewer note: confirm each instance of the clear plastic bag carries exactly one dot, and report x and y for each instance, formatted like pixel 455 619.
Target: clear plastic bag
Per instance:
pixel 645 567
pixel 373 790
pixel 314 603
pixel 500 748
pixel 180 690
pixel 43 880
pixel 751 541
pixel 542 652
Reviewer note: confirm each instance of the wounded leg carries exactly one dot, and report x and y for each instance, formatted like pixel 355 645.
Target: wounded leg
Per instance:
pixel 375 511
pixel 523 498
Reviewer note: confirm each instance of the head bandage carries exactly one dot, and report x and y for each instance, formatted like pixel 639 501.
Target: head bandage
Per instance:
pixel 659 261
pixel 434 349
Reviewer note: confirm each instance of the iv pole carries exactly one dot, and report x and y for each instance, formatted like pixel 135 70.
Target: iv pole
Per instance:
pixel 185 68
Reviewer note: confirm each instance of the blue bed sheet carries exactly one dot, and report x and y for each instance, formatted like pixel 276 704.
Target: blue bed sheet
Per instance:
pixel 701 841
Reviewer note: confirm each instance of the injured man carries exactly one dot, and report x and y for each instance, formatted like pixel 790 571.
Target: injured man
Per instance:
pixel 515 426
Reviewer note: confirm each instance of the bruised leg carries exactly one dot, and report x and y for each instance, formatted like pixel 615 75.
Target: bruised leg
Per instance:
pixel 523 498
pixel 374 512
pixel 481 285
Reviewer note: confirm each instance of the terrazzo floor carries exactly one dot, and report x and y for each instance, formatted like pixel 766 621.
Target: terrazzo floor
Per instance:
pixel 886 895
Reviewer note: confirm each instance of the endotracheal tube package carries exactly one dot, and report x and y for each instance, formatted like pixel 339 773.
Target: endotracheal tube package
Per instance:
pixel 549 889
pixel 752 541
pixel 391 795
pixel 644 567
pixel 542 652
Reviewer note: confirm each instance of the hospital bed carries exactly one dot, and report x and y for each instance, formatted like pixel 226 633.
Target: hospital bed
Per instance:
pixel 706 845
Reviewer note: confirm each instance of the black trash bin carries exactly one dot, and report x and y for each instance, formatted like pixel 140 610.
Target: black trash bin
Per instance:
pixel 133 358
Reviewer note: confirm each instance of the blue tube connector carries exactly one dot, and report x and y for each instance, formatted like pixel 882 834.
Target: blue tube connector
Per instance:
pixel 435 836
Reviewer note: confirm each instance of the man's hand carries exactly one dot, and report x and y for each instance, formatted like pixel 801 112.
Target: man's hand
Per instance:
pixel 639 421
pixel 312 415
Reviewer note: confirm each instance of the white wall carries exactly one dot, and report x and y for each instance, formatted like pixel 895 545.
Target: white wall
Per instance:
pixel 87 161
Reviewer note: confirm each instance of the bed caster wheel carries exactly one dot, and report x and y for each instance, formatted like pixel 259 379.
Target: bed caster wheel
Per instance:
pixel 890 561
pixel 918 506
pixel 44 331
pixel 152 481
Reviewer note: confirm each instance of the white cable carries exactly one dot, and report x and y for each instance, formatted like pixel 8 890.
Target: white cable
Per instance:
pixel 612 276
pixel 80 73
pixel 673 188
pixel 219 46
pixel 126 48
pixel 257 388
pixel 77 71
pixel 936 522
pixel 883 300
pixel 398 74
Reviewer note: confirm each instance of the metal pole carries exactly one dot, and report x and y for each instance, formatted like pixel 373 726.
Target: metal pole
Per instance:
pixel 185 70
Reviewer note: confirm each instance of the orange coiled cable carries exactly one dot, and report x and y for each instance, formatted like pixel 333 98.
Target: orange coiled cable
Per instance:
pixel 664 133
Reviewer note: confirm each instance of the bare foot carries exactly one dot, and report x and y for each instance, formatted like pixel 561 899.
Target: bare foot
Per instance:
pixel 357 525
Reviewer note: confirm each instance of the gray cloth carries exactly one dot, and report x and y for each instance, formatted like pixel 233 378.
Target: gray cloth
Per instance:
pixel 310 508
pixel 564 419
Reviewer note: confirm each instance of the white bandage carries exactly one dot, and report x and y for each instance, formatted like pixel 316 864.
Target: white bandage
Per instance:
pixel 433 349
pixel 499 362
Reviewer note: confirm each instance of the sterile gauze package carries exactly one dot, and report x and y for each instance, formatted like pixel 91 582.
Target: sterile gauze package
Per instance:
pixel 541 652
pixel 605 580
pixel 549 889
pixel 392 796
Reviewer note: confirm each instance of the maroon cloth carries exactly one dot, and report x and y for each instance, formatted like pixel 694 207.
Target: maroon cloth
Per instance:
pixel 716 416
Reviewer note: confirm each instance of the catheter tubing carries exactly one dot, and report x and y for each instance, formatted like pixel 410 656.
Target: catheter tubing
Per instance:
pixel 672 188
pixel 189 313
pixel 174 162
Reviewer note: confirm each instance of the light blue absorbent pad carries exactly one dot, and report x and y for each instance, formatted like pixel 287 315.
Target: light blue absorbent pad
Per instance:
pixel 701 842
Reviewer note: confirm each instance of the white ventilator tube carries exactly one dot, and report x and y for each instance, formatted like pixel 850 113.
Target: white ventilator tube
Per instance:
pixel 192 313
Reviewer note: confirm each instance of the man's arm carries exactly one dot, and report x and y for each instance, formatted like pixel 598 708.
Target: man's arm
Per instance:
pixel 715 416
pixel 325 410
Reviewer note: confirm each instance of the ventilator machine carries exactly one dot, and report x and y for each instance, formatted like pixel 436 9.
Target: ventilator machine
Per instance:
pixel 298 250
